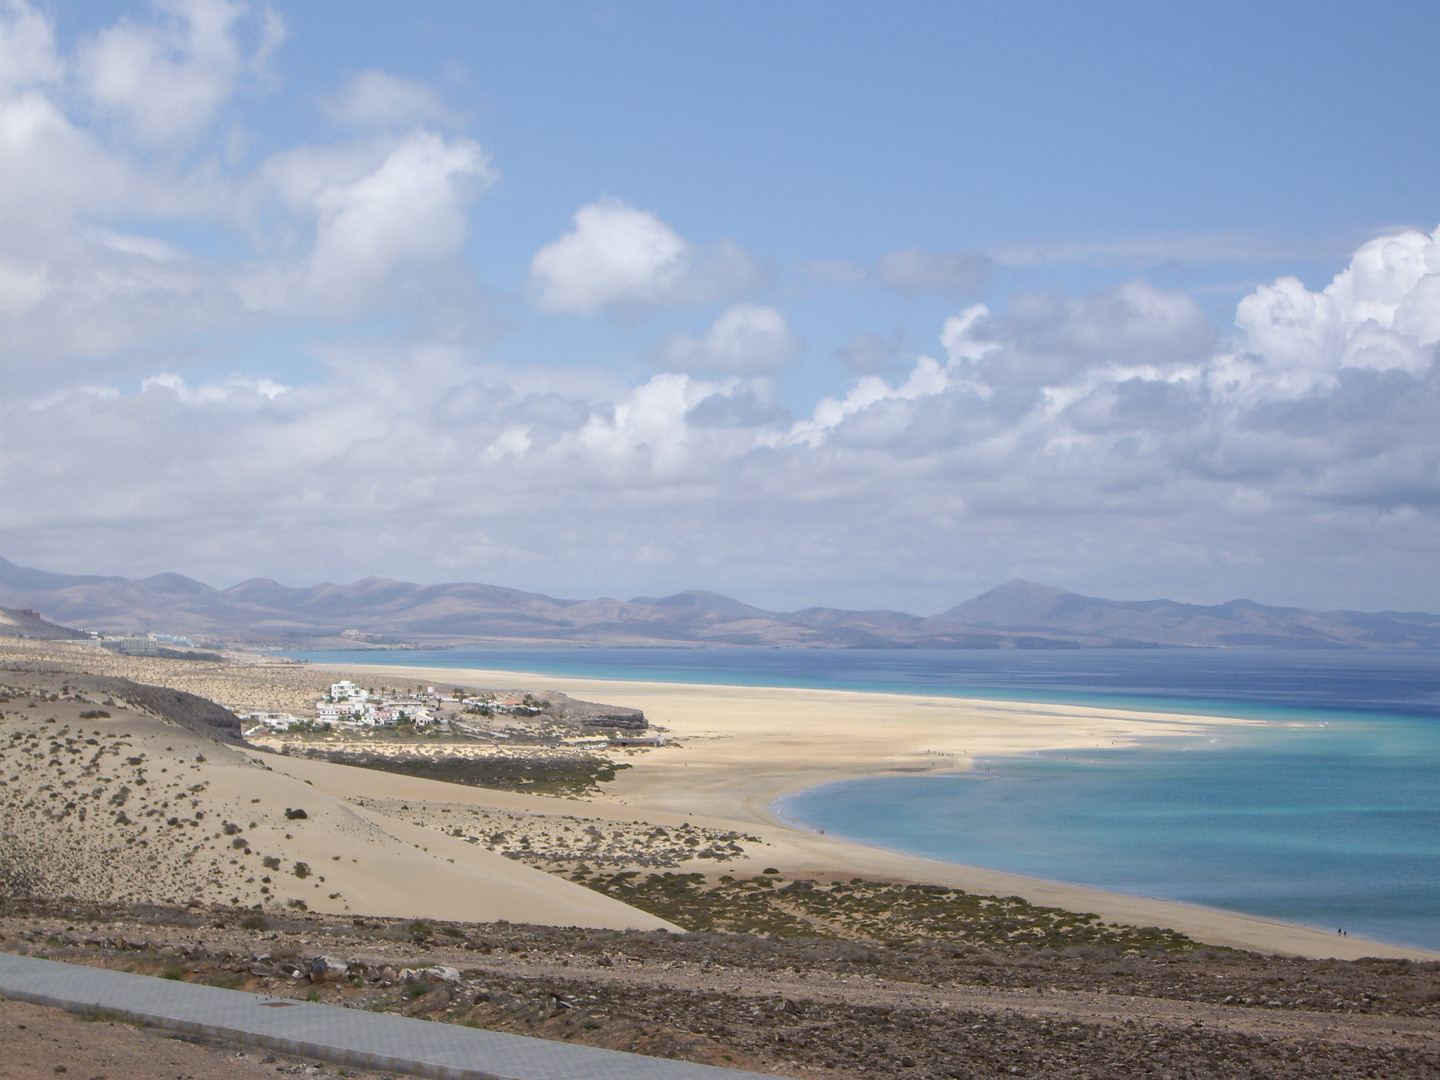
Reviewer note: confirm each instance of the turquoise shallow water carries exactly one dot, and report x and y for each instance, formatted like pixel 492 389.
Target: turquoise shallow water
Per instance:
pixel 1335 827
pixel 1328 814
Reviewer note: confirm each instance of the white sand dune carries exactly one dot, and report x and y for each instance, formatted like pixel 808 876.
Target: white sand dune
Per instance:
pixel 386 866
pixel 164 810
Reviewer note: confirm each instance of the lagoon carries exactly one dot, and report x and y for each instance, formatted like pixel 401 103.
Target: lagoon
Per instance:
pixel 1327 814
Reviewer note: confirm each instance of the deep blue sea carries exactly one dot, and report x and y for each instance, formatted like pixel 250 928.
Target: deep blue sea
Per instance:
pixel 1328 814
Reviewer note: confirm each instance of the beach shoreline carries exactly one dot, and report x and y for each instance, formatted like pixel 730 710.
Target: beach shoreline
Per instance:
pixel 703 804
pixel 733 751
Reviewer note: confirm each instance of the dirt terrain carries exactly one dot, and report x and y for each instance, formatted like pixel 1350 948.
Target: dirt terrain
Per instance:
pixel 249 682
pixel 798 1006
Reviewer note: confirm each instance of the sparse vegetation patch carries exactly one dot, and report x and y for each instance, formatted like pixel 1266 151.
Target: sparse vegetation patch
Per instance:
pixel 570 774
pixel 872 911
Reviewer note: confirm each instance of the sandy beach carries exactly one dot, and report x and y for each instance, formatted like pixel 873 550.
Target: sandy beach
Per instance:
pixel 700 803
pixel 735 750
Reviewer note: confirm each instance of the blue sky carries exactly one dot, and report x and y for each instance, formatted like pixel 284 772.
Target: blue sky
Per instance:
pixel 863 305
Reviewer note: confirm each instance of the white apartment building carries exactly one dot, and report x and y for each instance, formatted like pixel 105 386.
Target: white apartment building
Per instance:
pixel 345 690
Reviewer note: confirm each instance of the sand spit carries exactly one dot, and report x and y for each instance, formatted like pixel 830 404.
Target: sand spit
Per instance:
pixel 732 751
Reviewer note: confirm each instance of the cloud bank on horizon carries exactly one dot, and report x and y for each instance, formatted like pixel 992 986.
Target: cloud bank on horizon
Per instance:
pixel 1118 440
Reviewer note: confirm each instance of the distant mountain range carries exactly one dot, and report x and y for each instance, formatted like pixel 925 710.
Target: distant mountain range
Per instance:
pixel 381 613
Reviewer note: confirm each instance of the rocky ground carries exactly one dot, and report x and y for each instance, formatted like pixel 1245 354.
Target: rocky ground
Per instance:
pixel 799 1006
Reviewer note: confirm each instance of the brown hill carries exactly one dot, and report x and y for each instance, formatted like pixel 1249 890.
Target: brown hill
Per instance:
pixel 27 623
pixel 1023 605
pixel 379 612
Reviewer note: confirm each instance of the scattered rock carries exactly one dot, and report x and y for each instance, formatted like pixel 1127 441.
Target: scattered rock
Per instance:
pixel 327 969
pixel 435 973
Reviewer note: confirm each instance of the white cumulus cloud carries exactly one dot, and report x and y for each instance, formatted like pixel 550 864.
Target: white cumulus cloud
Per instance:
pixel 619 256
pixel 405 211
pixel 166 79
pixel 90 266
pixel 27 47
pixel 747 339
pixel 1046 439
pixel 1380 313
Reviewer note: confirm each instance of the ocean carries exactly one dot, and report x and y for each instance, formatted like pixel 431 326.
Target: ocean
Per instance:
pixel 1327 814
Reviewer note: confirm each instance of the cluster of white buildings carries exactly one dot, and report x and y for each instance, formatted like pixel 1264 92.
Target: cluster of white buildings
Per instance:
pixel 140 644
pixel 350 704
pixel 275 721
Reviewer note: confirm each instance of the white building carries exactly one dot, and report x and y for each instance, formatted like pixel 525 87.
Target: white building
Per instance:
pixel 275 721
pixel 345 690
pixel 343 711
